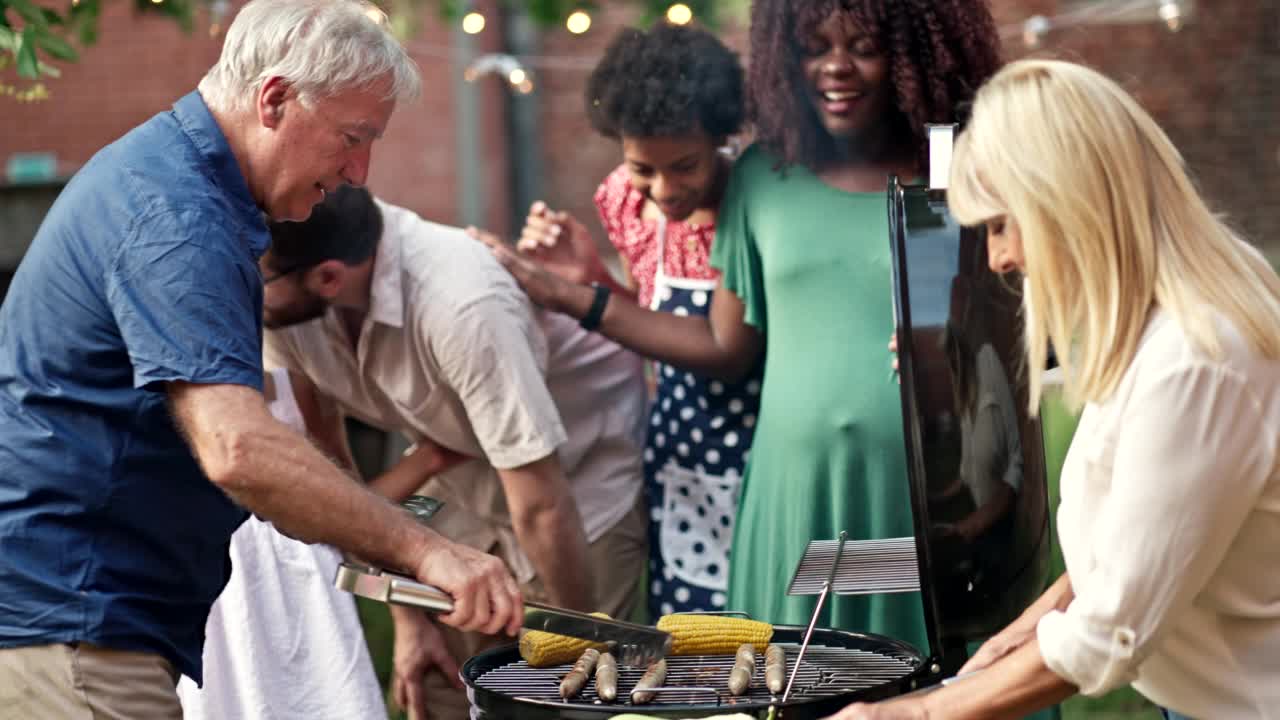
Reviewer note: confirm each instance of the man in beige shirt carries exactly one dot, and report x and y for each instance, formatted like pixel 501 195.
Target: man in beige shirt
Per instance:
pixel 413 327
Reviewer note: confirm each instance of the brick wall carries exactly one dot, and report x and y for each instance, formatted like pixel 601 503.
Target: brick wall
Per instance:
pixel 1215 86
pixel 141 64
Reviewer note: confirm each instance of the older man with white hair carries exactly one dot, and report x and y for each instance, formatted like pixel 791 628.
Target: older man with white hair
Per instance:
pixel 133 431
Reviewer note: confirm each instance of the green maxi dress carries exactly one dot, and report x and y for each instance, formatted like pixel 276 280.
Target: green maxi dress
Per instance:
pixel 811 264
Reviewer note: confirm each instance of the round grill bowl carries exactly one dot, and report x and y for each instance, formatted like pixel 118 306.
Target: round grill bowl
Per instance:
pixel 839 667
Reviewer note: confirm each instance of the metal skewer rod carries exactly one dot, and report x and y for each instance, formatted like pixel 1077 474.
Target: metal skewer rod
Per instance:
pixel 817 610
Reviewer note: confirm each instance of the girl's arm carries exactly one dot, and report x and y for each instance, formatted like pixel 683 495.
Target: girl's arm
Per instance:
pixel 722 345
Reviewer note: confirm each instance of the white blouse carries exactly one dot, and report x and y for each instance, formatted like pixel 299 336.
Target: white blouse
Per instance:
pixel 1170 528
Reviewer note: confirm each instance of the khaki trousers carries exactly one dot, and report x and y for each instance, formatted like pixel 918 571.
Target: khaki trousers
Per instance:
pixel 86 682
pixel 617 560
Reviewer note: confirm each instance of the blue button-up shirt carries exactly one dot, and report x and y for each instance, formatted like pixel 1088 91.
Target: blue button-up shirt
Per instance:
pixel 144 272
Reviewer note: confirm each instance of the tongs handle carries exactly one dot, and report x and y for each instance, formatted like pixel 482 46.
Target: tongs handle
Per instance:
pixel 390 588
pixel 416 594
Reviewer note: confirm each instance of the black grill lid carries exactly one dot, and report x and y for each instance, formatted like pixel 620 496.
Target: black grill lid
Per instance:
pixel 981 522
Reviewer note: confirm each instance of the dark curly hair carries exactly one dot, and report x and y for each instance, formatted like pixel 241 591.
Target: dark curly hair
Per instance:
pixel 939 53
pixel 671 80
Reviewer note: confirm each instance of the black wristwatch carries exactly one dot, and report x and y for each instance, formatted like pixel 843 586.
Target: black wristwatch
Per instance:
pixel 591 320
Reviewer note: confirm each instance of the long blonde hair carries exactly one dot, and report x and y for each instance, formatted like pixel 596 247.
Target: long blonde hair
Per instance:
pixel 1111 224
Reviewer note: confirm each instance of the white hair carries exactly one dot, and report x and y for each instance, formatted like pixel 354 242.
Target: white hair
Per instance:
pixel 320 47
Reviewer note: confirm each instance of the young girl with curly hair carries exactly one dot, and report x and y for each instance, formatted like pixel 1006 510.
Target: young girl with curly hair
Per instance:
pixel 840 92
pixel 671 96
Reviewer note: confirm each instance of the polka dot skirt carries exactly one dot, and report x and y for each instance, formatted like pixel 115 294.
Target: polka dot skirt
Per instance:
pixel 698 443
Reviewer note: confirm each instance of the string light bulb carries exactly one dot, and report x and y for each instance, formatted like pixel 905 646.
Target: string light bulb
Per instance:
pixel 510 68
pixel 679 14
pixel 1171 13
pixel 1034 30
pixel 473 23
pixel 578 22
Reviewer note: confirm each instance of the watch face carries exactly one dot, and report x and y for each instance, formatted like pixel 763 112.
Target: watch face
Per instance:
pixel 422 507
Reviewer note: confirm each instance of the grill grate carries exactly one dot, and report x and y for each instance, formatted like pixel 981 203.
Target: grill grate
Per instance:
pixel 703 679
pixel 866 567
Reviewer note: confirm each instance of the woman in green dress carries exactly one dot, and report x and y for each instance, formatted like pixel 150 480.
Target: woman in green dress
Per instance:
pixel 841 91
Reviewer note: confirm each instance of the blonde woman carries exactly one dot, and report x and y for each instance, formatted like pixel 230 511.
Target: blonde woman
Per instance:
pixel 1170 330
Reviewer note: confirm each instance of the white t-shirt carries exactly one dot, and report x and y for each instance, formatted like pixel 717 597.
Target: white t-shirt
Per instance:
pixel 281 641
pixel 1170 528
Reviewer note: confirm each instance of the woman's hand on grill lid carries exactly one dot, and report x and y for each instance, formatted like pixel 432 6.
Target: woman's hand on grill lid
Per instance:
pixel 485 596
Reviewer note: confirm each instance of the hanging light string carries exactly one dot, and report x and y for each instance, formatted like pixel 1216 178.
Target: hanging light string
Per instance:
pixel 1172 13
pixel 517 69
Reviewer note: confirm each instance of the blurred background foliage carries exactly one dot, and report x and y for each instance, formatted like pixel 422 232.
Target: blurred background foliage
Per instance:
pixel 35 33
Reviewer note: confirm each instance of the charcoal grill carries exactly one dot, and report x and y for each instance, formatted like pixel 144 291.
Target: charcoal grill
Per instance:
pixel 838 667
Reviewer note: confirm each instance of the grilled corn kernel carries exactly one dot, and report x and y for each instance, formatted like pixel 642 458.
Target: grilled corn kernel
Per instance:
pixel 544 649
pixel 714 634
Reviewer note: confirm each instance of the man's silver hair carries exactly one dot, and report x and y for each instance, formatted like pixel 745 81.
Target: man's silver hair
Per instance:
pixel 320 47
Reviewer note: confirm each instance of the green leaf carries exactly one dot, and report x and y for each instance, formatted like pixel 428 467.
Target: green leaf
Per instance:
pixel 84 21
pixel 450 10
pixel 180 10
pixel 30 12
pixel 56 47
pixel 53 17
pixel 8 40
pixel 28 64
pixel 46 69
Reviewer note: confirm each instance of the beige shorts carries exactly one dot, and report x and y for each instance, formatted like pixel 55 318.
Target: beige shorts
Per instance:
pixel 86 682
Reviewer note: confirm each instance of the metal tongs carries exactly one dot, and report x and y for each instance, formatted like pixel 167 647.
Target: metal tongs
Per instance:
pixel 632 644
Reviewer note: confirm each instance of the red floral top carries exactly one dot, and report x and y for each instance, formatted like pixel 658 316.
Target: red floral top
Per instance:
pixel 688 252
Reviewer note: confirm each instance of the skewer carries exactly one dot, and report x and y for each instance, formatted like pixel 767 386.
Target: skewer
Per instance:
pixel 817 610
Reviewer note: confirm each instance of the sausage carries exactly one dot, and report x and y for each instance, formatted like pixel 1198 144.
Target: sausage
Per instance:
pixel 573 683
pixel 653 677
pixel 607 678
pixel 744 666
pixel 775 668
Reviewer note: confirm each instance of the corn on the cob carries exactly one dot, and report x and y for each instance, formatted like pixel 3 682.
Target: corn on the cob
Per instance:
pixel 544 649
pixel 714 634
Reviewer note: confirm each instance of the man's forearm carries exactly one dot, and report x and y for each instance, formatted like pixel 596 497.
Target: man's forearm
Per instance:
pixel 557 545
pixel 309 498
pixel 549 528
pixel 275 473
